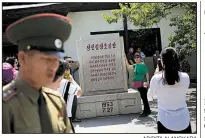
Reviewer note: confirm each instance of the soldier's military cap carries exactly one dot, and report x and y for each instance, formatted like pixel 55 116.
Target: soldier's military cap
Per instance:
pixel 45 32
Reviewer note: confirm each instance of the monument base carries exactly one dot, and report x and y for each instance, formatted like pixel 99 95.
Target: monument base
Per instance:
pixel 109 104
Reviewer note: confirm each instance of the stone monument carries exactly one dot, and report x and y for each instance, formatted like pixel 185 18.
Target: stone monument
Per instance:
pixel 103 78
pixel 103 69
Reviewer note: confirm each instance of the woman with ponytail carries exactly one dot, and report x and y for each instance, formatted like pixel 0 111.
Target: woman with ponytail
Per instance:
pixel 169 88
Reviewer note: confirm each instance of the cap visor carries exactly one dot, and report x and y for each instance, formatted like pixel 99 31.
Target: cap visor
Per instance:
pixel 55 53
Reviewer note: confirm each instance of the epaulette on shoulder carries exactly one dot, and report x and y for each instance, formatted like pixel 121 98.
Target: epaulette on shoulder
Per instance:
pixel 8 93
pixel 50 91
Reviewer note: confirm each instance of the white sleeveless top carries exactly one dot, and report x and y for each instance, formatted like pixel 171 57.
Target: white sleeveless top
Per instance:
pixel 73 90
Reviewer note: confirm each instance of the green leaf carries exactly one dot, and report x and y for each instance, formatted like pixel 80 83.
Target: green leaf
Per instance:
pixel 144 15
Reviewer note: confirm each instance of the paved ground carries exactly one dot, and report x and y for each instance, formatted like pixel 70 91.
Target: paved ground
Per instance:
pixel 132 123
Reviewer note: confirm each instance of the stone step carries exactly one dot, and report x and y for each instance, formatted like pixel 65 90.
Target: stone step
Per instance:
pixel 109 104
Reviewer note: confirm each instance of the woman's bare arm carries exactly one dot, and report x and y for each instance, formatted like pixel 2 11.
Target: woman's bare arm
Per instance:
pixel 127 63
pixel 147 77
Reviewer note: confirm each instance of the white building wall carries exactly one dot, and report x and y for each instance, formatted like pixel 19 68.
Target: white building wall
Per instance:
pixel 85 22
pixel 82 24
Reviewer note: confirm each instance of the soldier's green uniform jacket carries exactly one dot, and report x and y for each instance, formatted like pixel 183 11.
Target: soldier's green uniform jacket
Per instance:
pixel 20 109
pixel 23 106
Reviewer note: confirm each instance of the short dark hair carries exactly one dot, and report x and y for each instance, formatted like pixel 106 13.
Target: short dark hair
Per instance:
pixel 137 54
pixel 11 60
pixel 60 71
pixel 171 61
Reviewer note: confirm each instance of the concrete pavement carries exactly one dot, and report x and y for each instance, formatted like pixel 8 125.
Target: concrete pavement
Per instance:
pixel 132 123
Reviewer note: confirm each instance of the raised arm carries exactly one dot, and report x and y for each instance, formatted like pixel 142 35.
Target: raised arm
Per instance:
pixel 126 62
pixel 131 62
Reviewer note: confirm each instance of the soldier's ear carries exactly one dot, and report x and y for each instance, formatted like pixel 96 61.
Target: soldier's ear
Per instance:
pixel 21 57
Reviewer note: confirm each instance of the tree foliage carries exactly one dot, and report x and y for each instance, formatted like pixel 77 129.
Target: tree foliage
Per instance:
pixel 145 15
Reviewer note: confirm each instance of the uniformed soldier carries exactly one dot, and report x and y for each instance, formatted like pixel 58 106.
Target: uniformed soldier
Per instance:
pixel 28 107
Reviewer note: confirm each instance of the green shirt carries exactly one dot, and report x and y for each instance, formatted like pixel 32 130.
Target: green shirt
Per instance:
pixel 140 71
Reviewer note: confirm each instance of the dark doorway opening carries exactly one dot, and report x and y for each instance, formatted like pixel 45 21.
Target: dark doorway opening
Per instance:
pixel 149 40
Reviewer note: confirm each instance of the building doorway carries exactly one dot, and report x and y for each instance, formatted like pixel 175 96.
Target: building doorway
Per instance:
pixel 149 40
